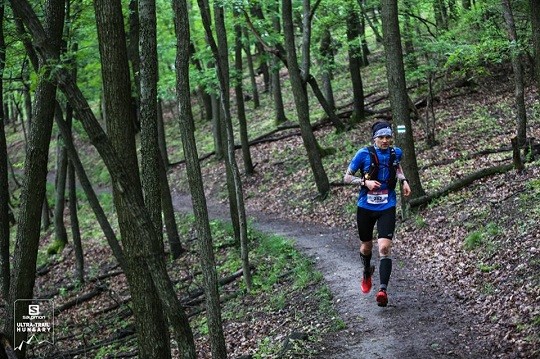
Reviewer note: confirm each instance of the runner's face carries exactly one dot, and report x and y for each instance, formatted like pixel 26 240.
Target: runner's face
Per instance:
pixel 383 142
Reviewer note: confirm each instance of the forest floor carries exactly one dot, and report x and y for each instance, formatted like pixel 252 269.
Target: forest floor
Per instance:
pixel 465 280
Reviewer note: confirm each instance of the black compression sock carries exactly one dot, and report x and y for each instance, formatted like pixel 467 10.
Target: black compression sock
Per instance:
pixel 366 261
pixel 385 269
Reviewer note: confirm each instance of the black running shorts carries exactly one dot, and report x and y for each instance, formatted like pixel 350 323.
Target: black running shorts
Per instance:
pixel 366 219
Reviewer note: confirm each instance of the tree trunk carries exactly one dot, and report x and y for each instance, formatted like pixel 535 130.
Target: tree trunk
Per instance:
pixel 327 52
pixel 151 162
pixel 408 34
pixel 365 49
pixel 61 239
pixel 256 10
pixel 204 97
pixel 45 213
pixel 517 66
pixel 534 8
pixel 79 169
pixel 73 209
pixel 441 14
pixel 27 102
pixel 302 105
pixel 149 320
pixel 4 183
pixel 236 195
pixel 239 94
pixel 305 75
pixel 372 24
pixel 162 136
pixel 216 127
pixel 35 175
pixel 166 199
pixel 274 74
pixel 252 75
pixel 89 192
pixel 133 43
pixel 124 180
pixel 398 94
pixel 195 180
pixel 355 53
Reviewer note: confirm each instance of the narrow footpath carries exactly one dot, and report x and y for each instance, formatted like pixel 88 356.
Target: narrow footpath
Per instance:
pixel 418 322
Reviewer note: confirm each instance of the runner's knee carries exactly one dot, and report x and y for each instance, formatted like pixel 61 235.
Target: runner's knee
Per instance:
pixel 384 248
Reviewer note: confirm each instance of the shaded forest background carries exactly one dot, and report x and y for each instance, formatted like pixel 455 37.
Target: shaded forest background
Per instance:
pixel 261 105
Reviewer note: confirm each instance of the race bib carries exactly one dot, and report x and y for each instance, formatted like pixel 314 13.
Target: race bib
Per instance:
pixel 377 197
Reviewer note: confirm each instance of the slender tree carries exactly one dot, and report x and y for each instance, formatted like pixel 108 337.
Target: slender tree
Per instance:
pixel 200 209
pixel 257 12
pixel 4 184
pixel 239 95
pixel 61 238
pixel 517 67
pixel 371 22
pixel 251 69
pixel 355 62
pixel 275 69
pixel 279 51
pixel 147 307
pixel 162 138
pixel 234 183
pixel 129 193
pixel 204 96
pixel 534 8
pixel 154 178
pixel 327 63
pixel 150 160
pixel 75 160
pixel 301 101
pixel 397 88
pixel 72 195
pixel 35 170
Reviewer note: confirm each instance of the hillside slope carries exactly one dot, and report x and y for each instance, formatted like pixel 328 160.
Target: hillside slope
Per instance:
pixel 478 247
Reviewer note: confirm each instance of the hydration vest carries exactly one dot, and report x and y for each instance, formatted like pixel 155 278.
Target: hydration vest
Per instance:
pixel 373 172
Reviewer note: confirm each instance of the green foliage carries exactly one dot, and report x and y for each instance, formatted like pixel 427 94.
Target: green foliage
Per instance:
pixel 419 221
pixel 56 247
pixel 482 238
pixel 486 268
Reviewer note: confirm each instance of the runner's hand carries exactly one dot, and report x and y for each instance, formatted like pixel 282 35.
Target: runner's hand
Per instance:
pixel 372 185
pixel 406 189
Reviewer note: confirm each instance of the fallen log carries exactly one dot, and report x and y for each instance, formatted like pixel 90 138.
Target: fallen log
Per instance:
pixel 223 281
pixel 80 299
pixel 69 287
pixel 122 335
pixel 459 184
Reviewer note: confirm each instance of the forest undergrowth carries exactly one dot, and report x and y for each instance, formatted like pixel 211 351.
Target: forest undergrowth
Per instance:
pixel 479 245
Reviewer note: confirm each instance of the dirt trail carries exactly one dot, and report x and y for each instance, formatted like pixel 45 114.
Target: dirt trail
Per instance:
pixel 418 321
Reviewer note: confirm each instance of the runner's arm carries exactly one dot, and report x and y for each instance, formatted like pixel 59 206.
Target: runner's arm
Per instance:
pixel 351 178
pixel 404 183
